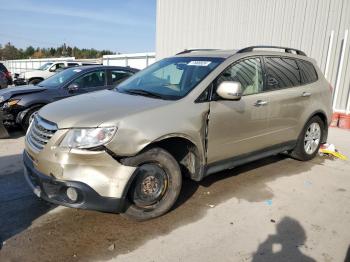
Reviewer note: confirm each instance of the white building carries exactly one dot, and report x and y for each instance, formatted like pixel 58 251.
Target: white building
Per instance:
pixel 318 27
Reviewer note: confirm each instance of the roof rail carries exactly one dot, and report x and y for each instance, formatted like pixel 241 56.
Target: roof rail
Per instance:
pixel 286 49
pixel 194 50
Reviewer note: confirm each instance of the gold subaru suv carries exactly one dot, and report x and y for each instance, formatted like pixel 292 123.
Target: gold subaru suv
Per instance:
pixel 127 150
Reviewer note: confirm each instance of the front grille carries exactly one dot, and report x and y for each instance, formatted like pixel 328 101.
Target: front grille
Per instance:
pixel 40 132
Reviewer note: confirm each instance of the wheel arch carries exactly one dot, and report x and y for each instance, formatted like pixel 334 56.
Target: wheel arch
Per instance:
pixel 21 116
pixel 183 149
pixel 323 116
pixel 35 77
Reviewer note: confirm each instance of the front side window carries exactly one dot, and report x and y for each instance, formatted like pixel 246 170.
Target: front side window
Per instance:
pixel 57 67
pixel 118 75
pixel 92 79
pixel 281 73
pixel 247 72
pixel 170 78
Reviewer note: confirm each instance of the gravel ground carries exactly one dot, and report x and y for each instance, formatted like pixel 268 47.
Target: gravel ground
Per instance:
pixel 275 209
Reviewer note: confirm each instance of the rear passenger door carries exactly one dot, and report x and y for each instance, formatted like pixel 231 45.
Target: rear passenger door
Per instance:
pixel 116 76
pixel 288 97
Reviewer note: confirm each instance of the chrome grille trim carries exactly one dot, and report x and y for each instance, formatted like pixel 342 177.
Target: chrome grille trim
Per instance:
pixel 40 132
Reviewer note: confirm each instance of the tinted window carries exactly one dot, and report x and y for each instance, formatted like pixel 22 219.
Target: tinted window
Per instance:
pixel 3 68
pixel 248 72
pixel 92 79
pixel 307 72
pixel 281 73
pixel 117 76
pixel 73 64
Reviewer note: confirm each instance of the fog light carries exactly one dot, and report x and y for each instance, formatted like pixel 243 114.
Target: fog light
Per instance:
pixel 72 194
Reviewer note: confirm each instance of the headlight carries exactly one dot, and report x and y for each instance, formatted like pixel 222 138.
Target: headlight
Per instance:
pixel 88 138
pixel 11 102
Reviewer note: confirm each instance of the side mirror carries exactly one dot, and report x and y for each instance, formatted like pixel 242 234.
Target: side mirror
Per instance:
pixel 230 90
pixel 73 87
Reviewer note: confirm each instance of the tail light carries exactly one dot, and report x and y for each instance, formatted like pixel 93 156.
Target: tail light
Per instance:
pixel 8 74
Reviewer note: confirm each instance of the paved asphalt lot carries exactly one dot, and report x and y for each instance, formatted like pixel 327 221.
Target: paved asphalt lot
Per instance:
pixel 276 209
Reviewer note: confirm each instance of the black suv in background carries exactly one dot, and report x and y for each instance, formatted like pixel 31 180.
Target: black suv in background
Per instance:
pixel 7 74
pixel 19 104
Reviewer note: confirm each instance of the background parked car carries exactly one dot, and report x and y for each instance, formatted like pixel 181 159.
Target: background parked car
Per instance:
pixel 19 104
pixel 46 70
pixel 7 74
pixel 3 80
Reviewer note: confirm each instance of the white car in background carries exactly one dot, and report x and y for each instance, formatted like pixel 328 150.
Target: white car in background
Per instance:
pixel 46 70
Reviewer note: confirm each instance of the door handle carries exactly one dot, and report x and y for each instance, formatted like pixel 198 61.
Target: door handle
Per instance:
pixel 261 103
pixel 306 94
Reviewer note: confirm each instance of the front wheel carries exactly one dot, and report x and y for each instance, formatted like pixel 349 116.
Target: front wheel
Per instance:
pixel 309 140
pixel 156 185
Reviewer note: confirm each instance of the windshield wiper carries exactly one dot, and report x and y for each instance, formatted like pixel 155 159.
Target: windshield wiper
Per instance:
pixel 143 93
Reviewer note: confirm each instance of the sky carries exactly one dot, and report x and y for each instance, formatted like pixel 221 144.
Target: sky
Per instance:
pixel 125 26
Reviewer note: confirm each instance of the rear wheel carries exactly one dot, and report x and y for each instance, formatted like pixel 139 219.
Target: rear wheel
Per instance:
pixel 309 140
pixel 156 185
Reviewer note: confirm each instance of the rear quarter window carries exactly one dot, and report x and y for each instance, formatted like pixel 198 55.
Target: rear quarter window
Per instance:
pixel 3 68
pixel 307 72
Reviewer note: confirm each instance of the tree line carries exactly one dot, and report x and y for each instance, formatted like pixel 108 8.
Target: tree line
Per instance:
pixel 9 52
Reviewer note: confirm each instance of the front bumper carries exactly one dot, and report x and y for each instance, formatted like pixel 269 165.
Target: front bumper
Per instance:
pixel 9 116
pixel 54 190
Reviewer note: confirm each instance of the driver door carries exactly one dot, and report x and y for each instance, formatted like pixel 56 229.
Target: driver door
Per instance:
pixel 239 127
pixel 89 82
pixel 85 83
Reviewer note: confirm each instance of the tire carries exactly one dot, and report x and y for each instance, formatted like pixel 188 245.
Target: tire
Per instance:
pixel 301 151
pixel 28 117
pixel 156 185
pixel 34 81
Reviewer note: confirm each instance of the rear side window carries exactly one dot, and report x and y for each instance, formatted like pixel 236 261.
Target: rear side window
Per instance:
pixel 307 72
pixel 73 64
pixel 281 73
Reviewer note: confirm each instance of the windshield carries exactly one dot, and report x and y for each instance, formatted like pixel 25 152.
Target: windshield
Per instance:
pixel 170 78
pixel 45 66
pixel 60 78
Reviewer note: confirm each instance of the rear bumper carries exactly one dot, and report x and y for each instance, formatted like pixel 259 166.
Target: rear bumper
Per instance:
pixel 54 191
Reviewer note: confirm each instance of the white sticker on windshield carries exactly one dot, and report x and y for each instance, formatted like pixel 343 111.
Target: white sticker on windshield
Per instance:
pixel 77 70
pixel 199 63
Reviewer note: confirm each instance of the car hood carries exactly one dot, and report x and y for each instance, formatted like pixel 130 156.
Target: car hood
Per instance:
pixel 94 109
pixel 7 93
